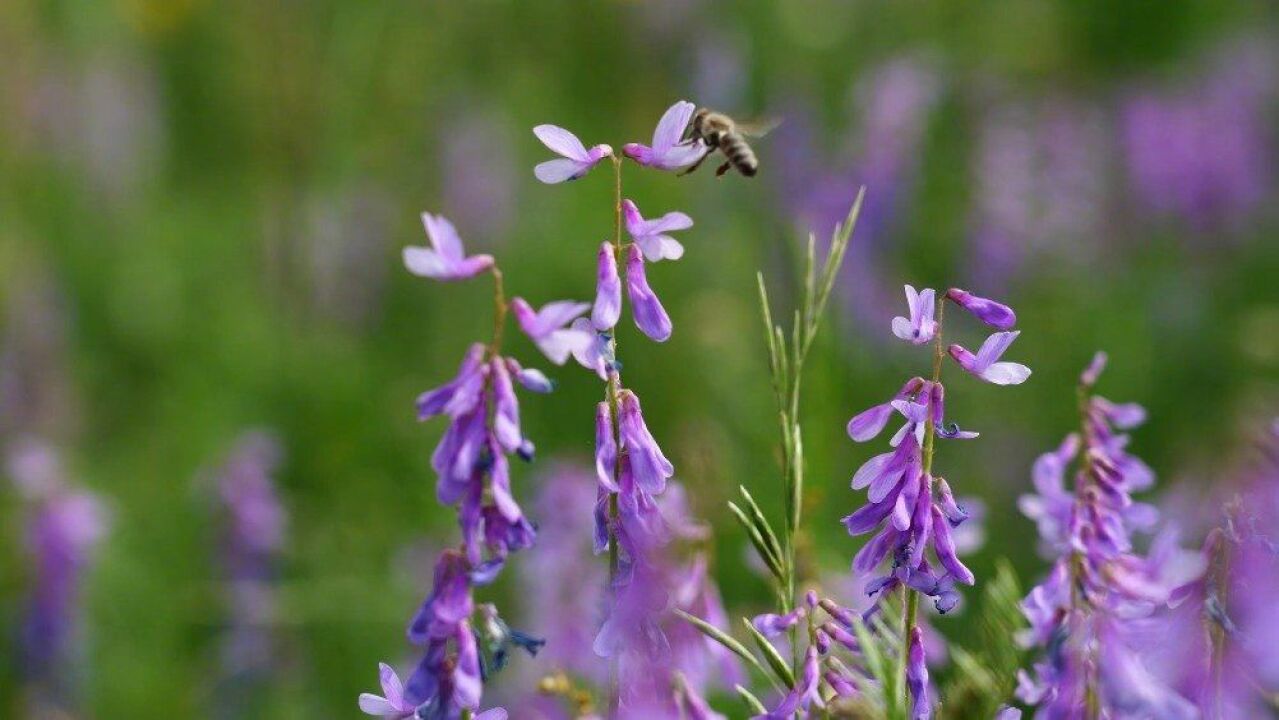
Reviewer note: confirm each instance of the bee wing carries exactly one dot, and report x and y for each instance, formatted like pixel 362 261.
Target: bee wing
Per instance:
pixel 759 127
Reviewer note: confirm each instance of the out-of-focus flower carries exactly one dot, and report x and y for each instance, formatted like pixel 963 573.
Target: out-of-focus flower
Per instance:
pixel 445 259
pixel 985 364
pixel 63 528
pixel 576 160
pixel 546 328
pixel 651 235
pixel 669 151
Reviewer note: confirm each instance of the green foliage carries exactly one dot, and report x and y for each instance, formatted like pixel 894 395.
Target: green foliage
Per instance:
pixel 984 678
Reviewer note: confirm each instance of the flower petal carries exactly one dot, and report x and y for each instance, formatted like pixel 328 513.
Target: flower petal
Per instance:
pixel 560 170
pixel 561 141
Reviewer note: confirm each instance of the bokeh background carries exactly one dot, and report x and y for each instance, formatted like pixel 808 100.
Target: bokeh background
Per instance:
pixel 202 207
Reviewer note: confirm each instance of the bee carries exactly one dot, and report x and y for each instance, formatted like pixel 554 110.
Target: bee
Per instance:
pixel 720 132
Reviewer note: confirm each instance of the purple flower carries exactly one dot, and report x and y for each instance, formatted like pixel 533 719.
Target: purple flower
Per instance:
pixel 530 379
pixel 445 259
pixel 985 364
pixel 867 425
pixel 921 327
pixel 770 625
pixel 461 394
pixel 608 290
pixel 605 448
pixel 650 316
pixel 648 464
pixel 669 151
pixel 391 703
pixel 449 602
pixel 546 328
pixel 806 693
pixel 917 677
pixel 693 706
pixel 996 315
pixel 651 235
pixel 577 160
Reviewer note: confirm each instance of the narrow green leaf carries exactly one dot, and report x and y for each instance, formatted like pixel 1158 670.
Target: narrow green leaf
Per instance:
pixel 797 477
pixel 770 557
pixel 774 658
pixel 723 638
pixel 766 530
pixel 752 702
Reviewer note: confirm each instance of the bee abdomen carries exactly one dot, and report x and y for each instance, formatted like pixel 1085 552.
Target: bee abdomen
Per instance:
pixel 740 154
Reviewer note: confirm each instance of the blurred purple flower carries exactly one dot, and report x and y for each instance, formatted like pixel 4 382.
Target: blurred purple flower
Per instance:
pixel 546 328
pixel 445 259
pixel 479 185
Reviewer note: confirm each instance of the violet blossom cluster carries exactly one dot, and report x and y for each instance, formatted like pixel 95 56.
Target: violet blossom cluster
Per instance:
pixel 462 641
pixel 1101 597
pixel 64 525
pixel 631 469
pixel 910 507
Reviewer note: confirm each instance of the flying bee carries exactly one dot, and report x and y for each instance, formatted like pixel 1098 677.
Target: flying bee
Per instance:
pixel 720 132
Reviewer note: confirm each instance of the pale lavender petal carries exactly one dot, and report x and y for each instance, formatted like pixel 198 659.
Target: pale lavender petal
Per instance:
pixel 560 170
pixel 443 236
pixel 671 127
pixel 608 290
pixel 1006 373
pixel 867 424
pixel 650 316
pixel 561 142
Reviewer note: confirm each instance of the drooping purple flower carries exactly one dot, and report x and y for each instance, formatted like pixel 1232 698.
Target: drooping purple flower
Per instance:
pixel 605 448
pixel 649 465
pixel 867 425
pixel 445 259
pixel 652 235
pixel 771 625
pixel 546 328
pixel 986 365
pixel 994 314
pixel 650 316
pixel 576 160
pixel 461 394
pixel 920 328
pixel 806 693
pixel 917 677
pixel 448 604
pixel 530 379
pixel 608 290
pixel 391 703
pixel 669 151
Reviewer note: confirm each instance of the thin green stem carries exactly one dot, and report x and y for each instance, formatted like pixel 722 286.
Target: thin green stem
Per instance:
pixel 500 308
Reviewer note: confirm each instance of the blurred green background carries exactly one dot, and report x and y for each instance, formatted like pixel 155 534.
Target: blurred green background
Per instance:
pixel 202 207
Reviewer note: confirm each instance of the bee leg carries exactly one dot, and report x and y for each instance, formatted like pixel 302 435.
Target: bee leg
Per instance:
pixel 692 167
pixel 723 168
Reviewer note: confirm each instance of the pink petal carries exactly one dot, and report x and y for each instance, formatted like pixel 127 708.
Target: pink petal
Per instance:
pixel 561 141
pixel 443 236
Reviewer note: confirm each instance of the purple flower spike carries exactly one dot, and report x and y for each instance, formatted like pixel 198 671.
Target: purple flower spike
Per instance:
pixel 921 328
pixel 546 329
pixel 605 447
pixel 985 363
pixel 445 259
pixel 669 151
pixel 391 704
pixel 917 677
pixel 649 466
pixel 650 316
pixel 577 160
pixel 608 290
pixel 651 235
pixel 996 315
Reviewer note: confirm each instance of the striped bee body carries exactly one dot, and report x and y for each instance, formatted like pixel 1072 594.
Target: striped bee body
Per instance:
pixel 720 132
